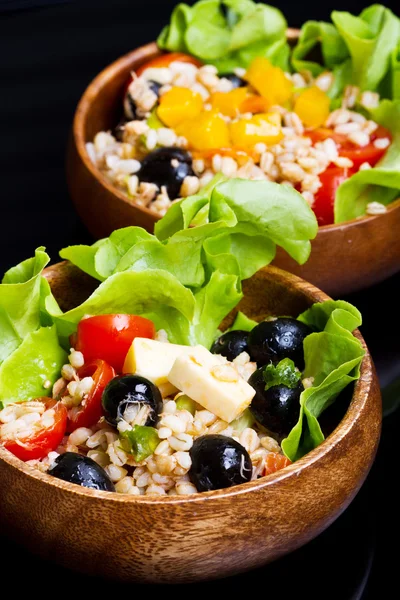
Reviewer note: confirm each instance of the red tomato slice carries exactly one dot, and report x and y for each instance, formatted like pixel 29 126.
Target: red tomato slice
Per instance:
pixel 37 445
pixel 109 337
pixel 324 202
pixel 164 60
pixel 90 410
pixel 357 154
pixel 275 462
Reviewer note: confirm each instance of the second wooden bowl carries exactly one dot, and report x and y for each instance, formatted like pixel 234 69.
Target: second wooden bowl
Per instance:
pixel 345 257
pixel 176 539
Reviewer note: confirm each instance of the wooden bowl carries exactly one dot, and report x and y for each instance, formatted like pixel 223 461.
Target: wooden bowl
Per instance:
pixel 345 257
pixel 177 539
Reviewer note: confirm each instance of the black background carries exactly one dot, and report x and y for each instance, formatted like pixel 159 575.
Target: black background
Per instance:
pixel 49 52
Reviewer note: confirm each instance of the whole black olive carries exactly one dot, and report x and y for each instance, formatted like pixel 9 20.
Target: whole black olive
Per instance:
pixel 271 341
pixel 236 81
pixel 231 344
pixel 218 462
pixel 128 390
pixel 167 167
pixel 277 408
pixel 81 470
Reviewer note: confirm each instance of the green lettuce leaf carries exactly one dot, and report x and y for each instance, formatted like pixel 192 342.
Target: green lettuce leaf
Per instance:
pixel 370 39
pixel 380 184
pixel 228 34
pixel 37 360
pixel 156 294
pixel 20 294
pixel 332 357
pixel 242 323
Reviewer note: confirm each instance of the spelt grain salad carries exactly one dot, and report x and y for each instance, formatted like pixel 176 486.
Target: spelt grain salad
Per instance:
pixel 137 390
pixel 229 97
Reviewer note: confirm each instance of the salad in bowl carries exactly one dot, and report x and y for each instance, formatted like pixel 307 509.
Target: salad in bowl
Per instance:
pixel 136 390
pixel 229 96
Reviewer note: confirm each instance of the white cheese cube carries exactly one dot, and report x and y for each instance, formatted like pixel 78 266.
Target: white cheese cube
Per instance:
pixel 212 382
pixel 152 359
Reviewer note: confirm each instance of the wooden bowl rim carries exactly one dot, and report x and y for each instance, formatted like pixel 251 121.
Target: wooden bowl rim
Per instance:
pixel 107 74
pixel 362 390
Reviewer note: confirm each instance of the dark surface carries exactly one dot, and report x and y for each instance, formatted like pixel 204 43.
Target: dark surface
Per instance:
pixel 48 56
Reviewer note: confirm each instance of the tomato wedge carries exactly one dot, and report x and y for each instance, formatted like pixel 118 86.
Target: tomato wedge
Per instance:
pixel 275 462
pixel 109 337
pixel 358 154
pixel 164 60
pixel 324 202
pixel 90 410
pixel 43 440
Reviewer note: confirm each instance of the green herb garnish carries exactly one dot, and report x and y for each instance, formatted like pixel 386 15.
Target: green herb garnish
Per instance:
pixel 284 373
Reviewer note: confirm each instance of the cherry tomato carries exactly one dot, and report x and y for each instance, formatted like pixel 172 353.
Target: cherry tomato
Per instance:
pixel 164 60
pixel 323 206
pixel 109 337
pixel 358 154
pixel 44 440
pixel 90 410
pixel 275 462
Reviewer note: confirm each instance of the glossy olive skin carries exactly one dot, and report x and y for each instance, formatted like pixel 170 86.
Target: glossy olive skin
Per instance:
pixel 231 344
pixel 236 81
pixel 218 462
pixel 271 341
pixel 130 389
pixel 157 168
pixel 130 108
pixel 81 470
pixel 278 408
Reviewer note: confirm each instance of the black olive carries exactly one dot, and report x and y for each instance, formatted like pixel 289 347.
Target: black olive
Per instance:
pixel 125 390
pixel 218 462
pixel 155 87
pixel 271 341
pixel 81 470
pixel 167 167
pixel 236 81
pixel 231 344
pixel 119 130
pixel 277 408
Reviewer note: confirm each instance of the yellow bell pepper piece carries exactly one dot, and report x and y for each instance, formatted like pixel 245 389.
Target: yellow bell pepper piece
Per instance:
pixel 269 81
pixel 229 103
pixel 207 131
pixel 179 104
pixel 265 128
pixel 313 107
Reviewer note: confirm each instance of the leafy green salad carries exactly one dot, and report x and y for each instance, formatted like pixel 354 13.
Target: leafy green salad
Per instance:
pixel 185 280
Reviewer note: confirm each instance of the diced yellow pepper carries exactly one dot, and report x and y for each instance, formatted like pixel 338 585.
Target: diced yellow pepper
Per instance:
pixel 269 81
pixel 313 107
pixel 265 128
pixel 229 103
pixel 207 131
pixel 179 104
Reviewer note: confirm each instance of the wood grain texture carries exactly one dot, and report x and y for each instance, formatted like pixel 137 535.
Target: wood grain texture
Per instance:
pixel 209 535
pixel 345 257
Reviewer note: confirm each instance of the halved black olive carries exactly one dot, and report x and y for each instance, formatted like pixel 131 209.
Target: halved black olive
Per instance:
pixel 231 344
pixel 218 462
pixel 236 81
pixel 167 167
pixel 130 108
pixel 277 408
pixel 134 391
pixel 271 341
pixel 81 470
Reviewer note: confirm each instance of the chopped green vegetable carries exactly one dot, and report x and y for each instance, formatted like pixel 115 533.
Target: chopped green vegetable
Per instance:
pixel 140 441
pixel 245 420
pixel 284 373
pixel 332 358
pixel 227 34
pixel 186 403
